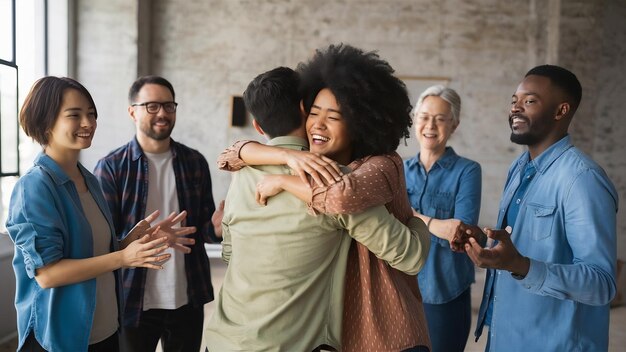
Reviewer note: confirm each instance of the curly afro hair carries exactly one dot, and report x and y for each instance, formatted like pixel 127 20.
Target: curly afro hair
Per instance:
pixel 374 103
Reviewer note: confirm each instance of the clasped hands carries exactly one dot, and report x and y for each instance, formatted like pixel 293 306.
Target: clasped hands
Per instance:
pixel 503 255
pixel 164 231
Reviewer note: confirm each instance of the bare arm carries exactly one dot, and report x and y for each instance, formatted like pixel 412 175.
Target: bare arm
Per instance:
pixel 140 253
pixel 271 185
pixel 322 169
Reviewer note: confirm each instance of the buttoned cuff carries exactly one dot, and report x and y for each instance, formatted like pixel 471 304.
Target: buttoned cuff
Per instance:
pixel 536 276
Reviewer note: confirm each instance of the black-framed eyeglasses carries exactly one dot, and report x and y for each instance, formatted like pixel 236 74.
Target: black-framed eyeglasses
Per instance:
pixel 152 107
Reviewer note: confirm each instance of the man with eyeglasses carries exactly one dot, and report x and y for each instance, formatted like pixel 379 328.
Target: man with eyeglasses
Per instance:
pixel 153 172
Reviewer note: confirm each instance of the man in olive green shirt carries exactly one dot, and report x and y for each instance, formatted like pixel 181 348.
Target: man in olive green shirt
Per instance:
pixel 283 289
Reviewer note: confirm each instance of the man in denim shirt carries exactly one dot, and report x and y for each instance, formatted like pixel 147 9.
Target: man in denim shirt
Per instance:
pixel 550 281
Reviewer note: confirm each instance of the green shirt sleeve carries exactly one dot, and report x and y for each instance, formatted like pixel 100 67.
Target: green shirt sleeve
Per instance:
pixel 405 248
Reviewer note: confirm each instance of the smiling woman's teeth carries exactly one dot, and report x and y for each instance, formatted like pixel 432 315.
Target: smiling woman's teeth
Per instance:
pixel 320 138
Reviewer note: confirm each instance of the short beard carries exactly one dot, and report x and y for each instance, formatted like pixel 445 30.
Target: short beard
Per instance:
pixel 158 136
pixel 524 139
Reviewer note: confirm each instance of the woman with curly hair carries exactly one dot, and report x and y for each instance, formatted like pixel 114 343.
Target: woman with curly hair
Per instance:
pixel 357 113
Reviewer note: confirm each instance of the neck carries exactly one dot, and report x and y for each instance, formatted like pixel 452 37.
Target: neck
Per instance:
pixel 428 157
pixel 536 149
pixel 152 145
pixel 67 160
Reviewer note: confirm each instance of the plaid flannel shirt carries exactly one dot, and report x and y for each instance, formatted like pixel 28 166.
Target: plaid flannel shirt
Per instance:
pixel 123 175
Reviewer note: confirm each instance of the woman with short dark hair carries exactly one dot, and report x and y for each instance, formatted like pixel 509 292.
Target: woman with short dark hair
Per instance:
pixel 67 257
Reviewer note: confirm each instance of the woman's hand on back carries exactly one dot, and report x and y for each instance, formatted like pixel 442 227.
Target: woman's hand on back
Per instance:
pixel 323 170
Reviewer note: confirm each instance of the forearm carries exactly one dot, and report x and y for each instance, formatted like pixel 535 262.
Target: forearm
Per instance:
pixel 71 271
pixel 436 227
pixel 296 187
pixel 404 248
pixel 261 154
pixel 587 284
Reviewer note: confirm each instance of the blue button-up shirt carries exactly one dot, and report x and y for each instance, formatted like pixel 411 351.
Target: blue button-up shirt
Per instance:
pixel 47 223
pixel 123 174
pixel 451 190
pixel 566 227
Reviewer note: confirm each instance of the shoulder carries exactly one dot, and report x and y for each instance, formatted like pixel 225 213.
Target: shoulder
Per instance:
pixel 116 154
pixel 188 153
pixel 466 164
pixel 35 183
pixel 577 165
pixel 385 162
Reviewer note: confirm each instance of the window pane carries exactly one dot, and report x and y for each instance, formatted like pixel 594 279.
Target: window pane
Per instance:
pixel 6 30
pixel 8 119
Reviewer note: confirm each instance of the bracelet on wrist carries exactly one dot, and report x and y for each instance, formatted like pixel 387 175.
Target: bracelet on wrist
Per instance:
pixel 428 223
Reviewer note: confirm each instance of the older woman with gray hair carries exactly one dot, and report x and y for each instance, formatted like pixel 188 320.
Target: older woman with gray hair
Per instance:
pixel 444 189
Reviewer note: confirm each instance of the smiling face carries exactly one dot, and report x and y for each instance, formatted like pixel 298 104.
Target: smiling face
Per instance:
pixel 434 124
pixel 533 111
pixel 327 129
pixel 157 126
pixel 75 124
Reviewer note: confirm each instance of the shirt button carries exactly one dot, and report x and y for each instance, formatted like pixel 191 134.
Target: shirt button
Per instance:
pixel 518 201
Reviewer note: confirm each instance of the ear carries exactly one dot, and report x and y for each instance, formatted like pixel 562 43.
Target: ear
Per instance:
pixel 131 113
pixel 257 127
pixel 455 125
pixel 562 111
pixel 302 112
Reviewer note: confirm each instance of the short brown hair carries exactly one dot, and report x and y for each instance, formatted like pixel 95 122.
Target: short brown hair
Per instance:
pixel 43 103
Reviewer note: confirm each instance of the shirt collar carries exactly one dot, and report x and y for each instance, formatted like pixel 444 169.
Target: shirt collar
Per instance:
pixel 54 170
pixel 290 142
pixel 548 156
pixel 446 161
pixel 136 152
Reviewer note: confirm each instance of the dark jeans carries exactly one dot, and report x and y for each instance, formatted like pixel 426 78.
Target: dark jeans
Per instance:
pixel 449 323
pixel 179 330
pixel 110 344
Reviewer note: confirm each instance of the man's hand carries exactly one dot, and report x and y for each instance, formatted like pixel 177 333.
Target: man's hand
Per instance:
pixel 216 219
pixel 502 256
pixel 176 237
pixel 462 235
pixel 323 170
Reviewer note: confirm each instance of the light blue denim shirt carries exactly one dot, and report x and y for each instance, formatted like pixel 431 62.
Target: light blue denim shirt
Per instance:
pixel 47 223
pixel 566 227
pixel 451 190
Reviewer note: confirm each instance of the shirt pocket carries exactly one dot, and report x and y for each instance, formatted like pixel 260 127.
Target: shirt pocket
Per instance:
pixel 443 203
pixel 542 220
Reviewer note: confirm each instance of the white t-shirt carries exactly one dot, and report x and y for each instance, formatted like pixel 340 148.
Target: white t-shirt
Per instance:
pixel 165 288
pixel 105 317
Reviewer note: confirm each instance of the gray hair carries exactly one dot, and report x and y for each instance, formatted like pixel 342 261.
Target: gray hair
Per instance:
pixel 449 95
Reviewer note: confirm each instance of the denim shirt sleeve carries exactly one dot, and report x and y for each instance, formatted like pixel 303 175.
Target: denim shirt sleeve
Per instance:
pixel 589 209
pixel 34 223
pixel 467 202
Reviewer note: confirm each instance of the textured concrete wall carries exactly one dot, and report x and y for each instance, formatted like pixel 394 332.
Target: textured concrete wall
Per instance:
pixel 106 63
pixel 210 50
pixel 609 147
